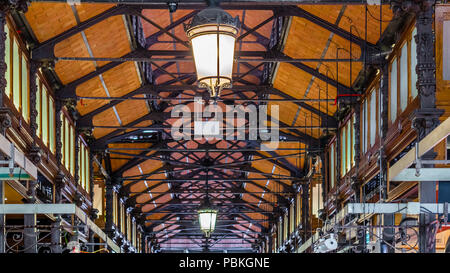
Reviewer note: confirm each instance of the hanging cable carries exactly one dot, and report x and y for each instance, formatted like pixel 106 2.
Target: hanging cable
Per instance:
pixel 379 19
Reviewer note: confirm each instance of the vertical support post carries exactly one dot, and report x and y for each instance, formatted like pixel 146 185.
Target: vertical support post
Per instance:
pixel 338 166
pixel 426 118
pixel 77 156
pixel 56 236
pixel 2 218
pixel 305 212
pixel 388 219
pixel 356 183
pixel 30 235
pixel 58 182
pixel 270 242
pixel 94 211
pixel 58 122
pixel 382 160
pixel 56 225
pixel 34 152
pixel 143 244
pixel 109 208
pixel 5 118
pixel 323 213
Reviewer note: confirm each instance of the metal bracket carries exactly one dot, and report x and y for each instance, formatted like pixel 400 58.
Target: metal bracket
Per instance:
pixel 445 213
pixel 417 161
pixel 10 161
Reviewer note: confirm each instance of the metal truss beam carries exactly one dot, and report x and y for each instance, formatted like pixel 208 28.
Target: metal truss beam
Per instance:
pixel 45 50
pixel 243 4
pixel 299 12
pixel 326 119
pixel 314 72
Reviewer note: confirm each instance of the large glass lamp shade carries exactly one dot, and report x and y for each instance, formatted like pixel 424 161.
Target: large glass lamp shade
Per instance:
pixel 207 220
pixel 213 35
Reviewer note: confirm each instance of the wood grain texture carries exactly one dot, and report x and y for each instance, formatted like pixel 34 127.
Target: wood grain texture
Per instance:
pixel 49 19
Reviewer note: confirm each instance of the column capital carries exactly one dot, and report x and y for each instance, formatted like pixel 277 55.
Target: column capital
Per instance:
pixel 401 7
pixel 19 5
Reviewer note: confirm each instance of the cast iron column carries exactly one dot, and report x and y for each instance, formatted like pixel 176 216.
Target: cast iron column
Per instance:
pixel 34 152
pixel 2 220
pixel 356 183
pixel 338 168
pixel 305 212
pixel 94 211
pixel 426 117
pixel 2 92
pixel 109 208
pixel 388 219
pixel 143 238
pixel 29 232
pixel 5 120
pixel 59 180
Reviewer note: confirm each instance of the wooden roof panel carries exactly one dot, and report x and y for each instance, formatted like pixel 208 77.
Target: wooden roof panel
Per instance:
pixel 117 163
pixel 91 88
pixel 108 38
pixel 69 71
pixel 354 18
pixel 49 19
pixel 88 10
pixel 305 39
pixel 286 113
pixel 291 80
pixel 122 79
pixel 329 13
pixel 131 110
pixel 106 118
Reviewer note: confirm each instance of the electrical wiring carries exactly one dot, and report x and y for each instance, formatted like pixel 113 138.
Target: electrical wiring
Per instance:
pixel 380 20
pixel 96 251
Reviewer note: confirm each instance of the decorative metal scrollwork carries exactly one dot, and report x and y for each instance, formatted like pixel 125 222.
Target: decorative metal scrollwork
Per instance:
pixel 15 239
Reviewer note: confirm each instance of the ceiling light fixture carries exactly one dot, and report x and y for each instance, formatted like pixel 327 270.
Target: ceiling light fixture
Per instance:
pixel 212 33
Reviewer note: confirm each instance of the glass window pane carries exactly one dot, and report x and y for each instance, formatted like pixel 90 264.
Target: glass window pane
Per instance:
pixel 44 100
pixel 393 91
pixel 404 77
pixel 299 210
pixel 72 150
pixel 83 171
pixel 38 108
pixel 349 146
pixel 353 140
pixel 366 125
pixel 291 218
pixel 332 166
pixel 285 224
pixel 66 144
pixel 87 170
pixel 373 117
pixel 63 152
pixel 343 142
pixel 16 75
pixel 82 164
pixel 25 94
pixel 414 64
pixel 361 126
pixel 8 62
pixel 80 179
pixel 51 124
pixel 379 107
